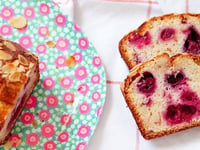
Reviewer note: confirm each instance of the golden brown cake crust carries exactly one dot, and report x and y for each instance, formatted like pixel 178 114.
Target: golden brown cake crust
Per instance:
pixel 129 55
pixel 127 86
pixel 15 63
pixel 17 67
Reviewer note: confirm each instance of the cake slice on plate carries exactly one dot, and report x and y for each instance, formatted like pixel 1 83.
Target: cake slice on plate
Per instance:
pixel 163 94
pixel 19 74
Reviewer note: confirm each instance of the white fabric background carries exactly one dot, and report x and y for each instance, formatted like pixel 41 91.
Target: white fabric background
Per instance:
pixel 105 23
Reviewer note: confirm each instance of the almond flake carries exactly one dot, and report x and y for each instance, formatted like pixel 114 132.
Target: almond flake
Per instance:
pixel 51 44
pixel 22 60
pixel 70 62
pixel 4 55
pixel 21 68
pixel 14 77
pixel 9 68
pixel 10 46
pixel 18 22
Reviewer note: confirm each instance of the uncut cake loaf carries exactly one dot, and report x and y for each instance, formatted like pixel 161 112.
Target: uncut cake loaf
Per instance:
pixel 163 94
pixel 19 74
pixel 171 33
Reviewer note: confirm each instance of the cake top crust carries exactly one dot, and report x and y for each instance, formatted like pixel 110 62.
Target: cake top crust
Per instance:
pixel 15 65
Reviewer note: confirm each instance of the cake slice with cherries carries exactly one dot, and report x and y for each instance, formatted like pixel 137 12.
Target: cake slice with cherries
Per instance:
pixel 19 74
pixel 163 94
pixel 172 34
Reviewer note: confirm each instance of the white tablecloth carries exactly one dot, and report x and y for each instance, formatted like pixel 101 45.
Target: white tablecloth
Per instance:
pixel 105 22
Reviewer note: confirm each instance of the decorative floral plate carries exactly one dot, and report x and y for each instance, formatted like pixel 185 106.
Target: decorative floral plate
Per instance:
pixel 66 104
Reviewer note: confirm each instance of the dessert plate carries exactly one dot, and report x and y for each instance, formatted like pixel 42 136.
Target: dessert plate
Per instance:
pixel 65 106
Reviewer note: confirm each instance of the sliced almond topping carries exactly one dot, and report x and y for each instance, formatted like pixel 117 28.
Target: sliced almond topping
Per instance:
pixel 70 62
pixel 1 63
pixel 22 60
pixel 10 45
pixel 18 22
pixel 27 73
pixel 14 77
pixel 21 69
pixel 51 44
pixel 15 62
pixel 4 55
pixel 9 68
pixel 31 65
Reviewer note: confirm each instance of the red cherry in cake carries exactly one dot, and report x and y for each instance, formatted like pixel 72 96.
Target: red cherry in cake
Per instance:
pixel 180 113
pixel 167 34
pixel 139 40
pixel 173 114
pixel 175 79
pixel 192 43
pixel 189 96
pixel 187 111
pixel 147 84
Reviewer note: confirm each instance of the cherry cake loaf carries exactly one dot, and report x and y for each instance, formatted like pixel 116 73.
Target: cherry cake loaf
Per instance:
pixel 163 94
pixel 19 74
pixel 172 33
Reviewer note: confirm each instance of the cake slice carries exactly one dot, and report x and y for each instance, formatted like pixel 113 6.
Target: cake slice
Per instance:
pixel 172 34
pixel 163 94
pixel 19 74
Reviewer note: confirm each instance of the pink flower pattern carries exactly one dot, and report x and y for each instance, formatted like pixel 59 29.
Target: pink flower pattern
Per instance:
pixel 62 44
pixel 52 101
pixel 25 41
pixel 5 30
pixel 84 108
pixel 31 102
pixel 95 79
pixel 32 139
pixel 60 61
pixel 7 13
pixel 29 12
pixel 96 96
pixel 81 146
pixel 41 48
pixel 42 66
pixel 99 111
pixel 47 130
pixel 44 115
pixel 68 98
pixel 83 43
pixel 83 88
pixel 80 72
pixel 49 145
pixel 63 137
pixel 66 82
pixel 44 9
pixel 14 138
pixel 76 27
pixel 96 61
pixel 27 118
pixel 48 83
pixel 65 119
pixel 83 131
pixel 43 31
pixel 60 20
pixel 78 57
